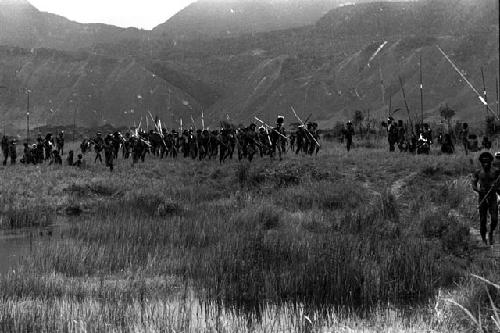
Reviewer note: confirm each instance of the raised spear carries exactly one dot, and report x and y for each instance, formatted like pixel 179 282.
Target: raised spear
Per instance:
pixel 406 103
pixel 498 93
pixel 485 94
pixel 305 128
pixel 481 98
pixel 421 90
pixel 270 127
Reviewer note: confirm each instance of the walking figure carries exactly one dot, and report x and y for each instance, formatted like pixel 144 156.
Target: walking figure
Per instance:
pixel 348 133
pixel 485 183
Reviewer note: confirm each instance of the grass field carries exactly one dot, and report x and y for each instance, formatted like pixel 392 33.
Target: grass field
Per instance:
pixel 365 241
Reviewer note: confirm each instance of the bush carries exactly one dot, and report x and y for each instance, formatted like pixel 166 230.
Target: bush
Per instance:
pixel 258 217
pixel 324 195
pixel 453 234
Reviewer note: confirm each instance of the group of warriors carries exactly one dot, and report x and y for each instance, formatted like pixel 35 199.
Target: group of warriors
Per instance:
pixel 421 139
pixel 44 149
pixel 226 143
pixel 417 140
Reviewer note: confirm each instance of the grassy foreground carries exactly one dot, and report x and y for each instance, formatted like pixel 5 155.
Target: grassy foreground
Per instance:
pixel 365 241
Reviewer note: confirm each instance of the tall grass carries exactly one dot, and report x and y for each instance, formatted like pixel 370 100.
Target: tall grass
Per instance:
pixel 290 240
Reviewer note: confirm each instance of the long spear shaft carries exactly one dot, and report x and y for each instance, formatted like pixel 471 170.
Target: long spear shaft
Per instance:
pixel 382 86
pixel 307 119
pixel 270 127
pixel 421 91
pixel 305 128
pixel 485 94
pixel 390 105
pixel 28 117
pixel 468 82
pixel 202 120
pixel 406 103
pixel 74 122
pixel 498 93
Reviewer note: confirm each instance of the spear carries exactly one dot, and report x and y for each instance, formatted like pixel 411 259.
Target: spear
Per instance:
pixel 406 103
pixel 28 116
pixel 421 90
pixel 265 126
pixel 202 120
pixel 498 93
pixel 485 94
pixel 305 128
pixel 192 120
pixel 272 128
pixel 307 119
pixel 382 86
pixel 481 98
pixel 4 87
pixel 390 104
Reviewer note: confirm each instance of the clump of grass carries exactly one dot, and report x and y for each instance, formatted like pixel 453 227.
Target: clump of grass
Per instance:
pixel 16 218
pixel 242 173
pixel 151 203
pixel 475 304
pixel 324 195
pixel 259 217
pixel 453 234
pixel 96 188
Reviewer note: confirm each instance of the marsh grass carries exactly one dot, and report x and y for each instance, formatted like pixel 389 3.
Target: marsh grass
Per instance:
pixel 18 218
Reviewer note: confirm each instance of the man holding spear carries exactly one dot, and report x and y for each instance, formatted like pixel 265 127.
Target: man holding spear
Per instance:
pixel 486 183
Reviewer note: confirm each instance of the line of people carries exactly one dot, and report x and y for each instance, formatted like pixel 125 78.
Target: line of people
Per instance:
pixel 226 143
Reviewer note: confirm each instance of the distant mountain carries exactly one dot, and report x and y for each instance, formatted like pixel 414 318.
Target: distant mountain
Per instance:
pixel 21 24
pixel 334 68
pixel 444 17
pixel 215 18
pixel 102 90
pixel 328 68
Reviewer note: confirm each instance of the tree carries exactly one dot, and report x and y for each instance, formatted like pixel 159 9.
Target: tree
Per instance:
pixel 357 120
pixel 447 113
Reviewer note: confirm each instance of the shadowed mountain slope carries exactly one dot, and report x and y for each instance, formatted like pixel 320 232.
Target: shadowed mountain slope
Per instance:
pixel 102 90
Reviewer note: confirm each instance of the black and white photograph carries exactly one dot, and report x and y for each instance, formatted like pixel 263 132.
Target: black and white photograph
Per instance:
pixel 252 166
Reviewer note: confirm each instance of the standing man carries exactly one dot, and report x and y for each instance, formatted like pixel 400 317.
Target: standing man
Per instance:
pixel 485 183
pixel 5 149
pixel 392 134
pixel 464 135
pixel 60 143
pixel 348 133
pixel 109 151
pixel 98 147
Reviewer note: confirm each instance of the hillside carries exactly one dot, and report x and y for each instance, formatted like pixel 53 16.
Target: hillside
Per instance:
pixel 103 90
pixel 215 18
pixel 324 69
pixel 329 69
pixel 21 24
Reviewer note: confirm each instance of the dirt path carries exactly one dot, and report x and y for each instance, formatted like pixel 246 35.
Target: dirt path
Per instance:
pixel 399 185
pixel 492 252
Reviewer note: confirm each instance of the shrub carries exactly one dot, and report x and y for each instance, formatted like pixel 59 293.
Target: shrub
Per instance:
pixel 453 234
pixel 322 195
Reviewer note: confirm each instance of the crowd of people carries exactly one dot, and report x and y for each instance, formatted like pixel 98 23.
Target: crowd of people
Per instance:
pixel 229 142
pixel 421 139
pixel 226 143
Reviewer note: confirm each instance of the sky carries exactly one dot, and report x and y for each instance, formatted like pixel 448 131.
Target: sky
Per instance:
pixel 144 14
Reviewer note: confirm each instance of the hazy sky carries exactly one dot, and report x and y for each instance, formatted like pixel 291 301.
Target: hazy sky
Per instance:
pixel 124 13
